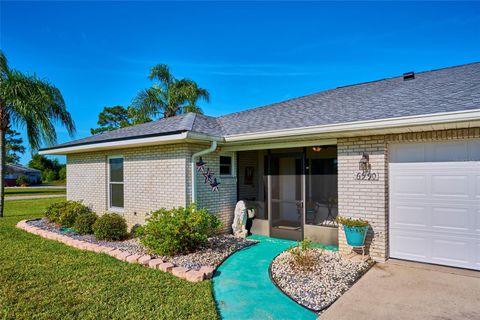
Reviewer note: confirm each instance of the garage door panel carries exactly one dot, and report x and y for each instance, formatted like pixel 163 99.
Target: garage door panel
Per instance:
pixel 435 203
pixel 477 222
pixel 409 245
pixel 450 218
pixel 451 251
pixel 477 262
pixel 447 151
pixel 410 185
pixel 410 215
pixel 450 185
pixel 477 187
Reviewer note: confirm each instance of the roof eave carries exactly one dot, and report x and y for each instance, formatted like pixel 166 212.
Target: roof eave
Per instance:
pixel 142 141
pixel 380 126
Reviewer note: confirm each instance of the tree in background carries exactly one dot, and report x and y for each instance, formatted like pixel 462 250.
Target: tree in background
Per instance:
pixel 31 103
pixel 14 146
pixel 169 96
pixel 112 118
pixel 50 168
pixel 62 173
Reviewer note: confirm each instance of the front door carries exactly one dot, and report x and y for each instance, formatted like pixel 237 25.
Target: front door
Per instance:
pixel 285 195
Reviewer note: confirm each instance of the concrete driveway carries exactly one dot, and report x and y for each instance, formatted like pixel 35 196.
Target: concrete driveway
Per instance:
pixel 407 290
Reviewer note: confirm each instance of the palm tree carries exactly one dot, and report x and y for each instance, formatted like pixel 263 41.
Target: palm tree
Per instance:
pixel 30 103
pixel 169 96
pixel 193 94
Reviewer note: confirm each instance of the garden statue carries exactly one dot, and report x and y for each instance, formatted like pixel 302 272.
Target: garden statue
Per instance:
pixel 240 220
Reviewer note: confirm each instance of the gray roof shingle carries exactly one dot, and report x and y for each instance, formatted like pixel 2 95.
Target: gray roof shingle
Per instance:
pixel 437 91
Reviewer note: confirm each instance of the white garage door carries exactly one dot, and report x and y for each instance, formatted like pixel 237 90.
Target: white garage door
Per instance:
pixel 435 203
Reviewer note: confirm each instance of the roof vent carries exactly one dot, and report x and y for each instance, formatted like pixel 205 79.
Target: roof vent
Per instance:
pixel 408 76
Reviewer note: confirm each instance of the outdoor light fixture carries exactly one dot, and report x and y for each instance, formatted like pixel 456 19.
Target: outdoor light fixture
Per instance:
pixel 316 149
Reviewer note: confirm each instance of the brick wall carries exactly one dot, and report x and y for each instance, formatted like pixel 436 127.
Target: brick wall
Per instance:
pixel 369 199
pixel 154 177
pixel 223 202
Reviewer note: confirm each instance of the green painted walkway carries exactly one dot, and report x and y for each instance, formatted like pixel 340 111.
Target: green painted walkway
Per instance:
pixel 243 289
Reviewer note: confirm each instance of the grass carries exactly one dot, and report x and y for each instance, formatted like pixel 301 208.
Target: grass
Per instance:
pixel 58 183
pixel 45 279
pixel 32 191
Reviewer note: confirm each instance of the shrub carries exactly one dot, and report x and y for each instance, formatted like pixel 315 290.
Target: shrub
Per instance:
pixel 54 211
pixel 22 181
pixel 62 173
pixel 302 257
pixel 84 222
pixel 351 222
pixel 70 211
pixel 179 230
pixel 49 175
pixel 110 226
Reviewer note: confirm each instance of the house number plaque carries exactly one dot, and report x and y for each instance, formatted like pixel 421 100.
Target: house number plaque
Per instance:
pixel 365 170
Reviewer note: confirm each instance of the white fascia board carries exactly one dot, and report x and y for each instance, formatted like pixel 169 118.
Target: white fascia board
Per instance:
pixel 130 143
pixel 431 119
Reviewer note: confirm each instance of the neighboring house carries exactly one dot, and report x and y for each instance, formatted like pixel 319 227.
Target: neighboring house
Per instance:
pixel 13 171
pixel 402 152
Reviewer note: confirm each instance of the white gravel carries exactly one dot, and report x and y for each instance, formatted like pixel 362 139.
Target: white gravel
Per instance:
pixel 331 275
pixel 211 254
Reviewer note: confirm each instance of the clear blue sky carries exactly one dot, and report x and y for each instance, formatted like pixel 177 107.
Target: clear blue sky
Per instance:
pixel 245 54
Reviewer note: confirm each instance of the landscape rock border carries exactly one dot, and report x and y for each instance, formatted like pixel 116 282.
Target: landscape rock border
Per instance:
pixel 192 275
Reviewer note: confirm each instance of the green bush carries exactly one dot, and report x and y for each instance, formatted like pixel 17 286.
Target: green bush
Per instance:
pixel 302 256
pixel 179 230
pixel 62 173
pixel 22 181
pixel 351 222
pixel 49 175
pixel 54 211
pixel 110 226
pixel 71 211
pixel 84 223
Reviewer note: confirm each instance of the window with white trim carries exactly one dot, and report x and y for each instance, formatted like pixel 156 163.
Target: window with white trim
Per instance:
pixel 115 183
pixel 225 165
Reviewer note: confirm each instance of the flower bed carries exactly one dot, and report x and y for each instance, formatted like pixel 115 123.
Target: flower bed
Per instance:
pixel 319 286
pixel 208 257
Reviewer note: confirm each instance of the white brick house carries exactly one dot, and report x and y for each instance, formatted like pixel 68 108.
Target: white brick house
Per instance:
pixel 297 163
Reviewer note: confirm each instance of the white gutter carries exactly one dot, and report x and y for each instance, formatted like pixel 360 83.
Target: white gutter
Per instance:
pixel 129 143
pixel 431 119
pixel 212 148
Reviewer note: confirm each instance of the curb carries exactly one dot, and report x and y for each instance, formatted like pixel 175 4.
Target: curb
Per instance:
pixel 191 275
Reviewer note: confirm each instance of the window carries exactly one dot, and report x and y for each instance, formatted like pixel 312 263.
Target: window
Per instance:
pixel 115 182
pixel 225 165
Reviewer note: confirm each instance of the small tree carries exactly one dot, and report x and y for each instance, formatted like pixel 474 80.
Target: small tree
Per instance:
pixel 112 118
pixel 14 146
pixel 22 181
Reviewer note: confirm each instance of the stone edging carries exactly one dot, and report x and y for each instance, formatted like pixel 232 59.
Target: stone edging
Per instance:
pixel 192 275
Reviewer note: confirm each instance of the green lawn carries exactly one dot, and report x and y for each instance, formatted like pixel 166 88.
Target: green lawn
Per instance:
pixel 44 279
pixel 32 191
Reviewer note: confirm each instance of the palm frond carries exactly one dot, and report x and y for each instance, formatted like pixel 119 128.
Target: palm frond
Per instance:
pixel 149 102
pixel 161 72
pixel 35 105
pixel 4 70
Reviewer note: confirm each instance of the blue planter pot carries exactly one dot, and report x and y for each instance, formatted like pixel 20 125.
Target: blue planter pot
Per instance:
pixel 355 235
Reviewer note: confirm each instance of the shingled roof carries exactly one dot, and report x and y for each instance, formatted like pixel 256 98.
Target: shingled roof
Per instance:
pixel 430 92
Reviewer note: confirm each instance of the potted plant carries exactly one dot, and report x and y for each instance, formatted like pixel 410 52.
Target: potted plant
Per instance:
pixel 355 230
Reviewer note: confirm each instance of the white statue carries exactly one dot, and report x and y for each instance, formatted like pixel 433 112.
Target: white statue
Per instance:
pixel 240 220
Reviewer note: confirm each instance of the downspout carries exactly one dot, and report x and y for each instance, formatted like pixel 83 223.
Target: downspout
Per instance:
pixel 212 148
